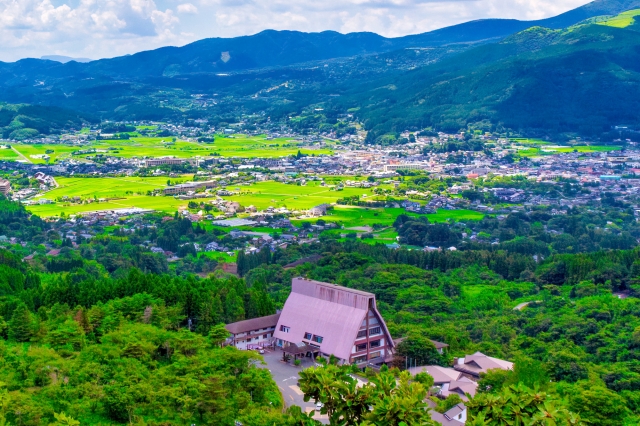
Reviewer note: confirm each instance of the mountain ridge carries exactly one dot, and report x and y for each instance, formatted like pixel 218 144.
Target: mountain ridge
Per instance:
pixel 284 48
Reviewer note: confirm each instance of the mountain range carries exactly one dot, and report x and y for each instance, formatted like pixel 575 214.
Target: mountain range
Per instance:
pixel 486 71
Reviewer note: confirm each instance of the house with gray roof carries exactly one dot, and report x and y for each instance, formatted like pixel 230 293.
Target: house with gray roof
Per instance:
pixel 448 380
pixel 480 363
pixel 334 320
pixel 455 416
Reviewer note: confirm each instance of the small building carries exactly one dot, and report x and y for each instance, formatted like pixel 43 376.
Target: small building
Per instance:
pixel 5 187
pixel 334 320
pixel 320 210
pixel 455 416
pixel 480 363
pixel 163 161
pixel 448 380
pixel 252 333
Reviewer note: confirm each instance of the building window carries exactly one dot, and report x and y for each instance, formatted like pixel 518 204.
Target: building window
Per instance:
pixel 361 334
pixel 317 339
pixel 360 359
pixel 307 336
pixel 361 347
pixel 284 329
pixel 373 331
pixel 374 344
pixel 373 355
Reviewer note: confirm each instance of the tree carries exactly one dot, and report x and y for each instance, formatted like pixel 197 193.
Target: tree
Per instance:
pixel 424 379
pixel 21 324
pixel 419 350
pixel 519 405
pixel 599 406
pixel 218 334
pixel 398 403
pixel 381 402
pixel 444 405
pixel 63 420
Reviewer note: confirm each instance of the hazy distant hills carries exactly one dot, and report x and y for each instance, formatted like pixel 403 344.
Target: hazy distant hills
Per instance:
pixel 282 48
pixel 64 59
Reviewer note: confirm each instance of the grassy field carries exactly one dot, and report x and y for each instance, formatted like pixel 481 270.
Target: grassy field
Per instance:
pixel 539 149
pixel 166 204
pixel 293 197
pixel 237 146
pixel 133 189
pixel 32 152
pixel 105 187
pixel 622 20
pixel 362 216
pixel 8 154
pixel 130 191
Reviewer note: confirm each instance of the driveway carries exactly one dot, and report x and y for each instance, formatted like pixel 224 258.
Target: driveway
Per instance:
pixel 286 376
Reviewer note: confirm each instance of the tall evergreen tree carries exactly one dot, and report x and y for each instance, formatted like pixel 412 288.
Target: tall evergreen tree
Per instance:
pixel 21 324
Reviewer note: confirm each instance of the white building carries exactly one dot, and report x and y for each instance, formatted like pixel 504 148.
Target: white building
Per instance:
pixel 252 333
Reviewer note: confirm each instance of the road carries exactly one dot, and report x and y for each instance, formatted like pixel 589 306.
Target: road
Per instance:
pixel 286 376
pixel 523 305
pixel 21 155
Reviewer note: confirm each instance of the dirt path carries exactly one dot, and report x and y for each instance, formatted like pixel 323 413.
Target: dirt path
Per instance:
pixel 21 155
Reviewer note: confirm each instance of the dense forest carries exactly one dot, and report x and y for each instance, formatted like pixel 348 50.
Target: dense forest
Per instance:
pixel 100 331
pixel 29 121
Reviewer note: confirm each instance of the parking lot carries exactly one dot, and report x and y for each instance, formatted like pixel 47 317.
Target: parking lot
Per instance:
pixel 286 376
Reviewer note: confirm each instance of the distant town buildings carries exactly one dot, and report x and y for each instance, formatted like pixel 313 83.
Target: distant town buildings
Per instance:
pixel 5 187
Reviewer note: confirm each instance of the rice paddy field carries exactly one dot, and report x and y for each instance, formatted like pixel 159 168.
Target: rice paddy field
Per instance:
pixel 539 147
pixel 129 191
pixel 293 197
pixel 362 216
pixel 132 193
pixel 8 154
pixel 139 147
pixel 123 192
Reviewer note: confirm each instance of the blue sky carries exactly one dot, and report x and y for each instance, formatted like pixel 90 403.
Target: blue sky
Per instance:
pixel 107 28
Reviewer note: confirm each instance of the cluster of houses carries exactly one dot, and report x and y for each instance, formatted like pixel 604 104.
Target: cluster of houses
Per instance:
pixel 324 319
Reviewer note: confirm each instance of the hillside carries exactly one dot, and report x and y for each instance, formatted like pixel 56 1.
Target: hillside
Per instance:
pixel 468 73
pixel 584 79
pixel 28 121
pixel 628 19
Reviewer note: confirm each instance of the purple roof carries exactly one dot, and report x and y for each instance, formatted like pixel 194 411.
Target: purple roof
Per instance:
pixel 336 313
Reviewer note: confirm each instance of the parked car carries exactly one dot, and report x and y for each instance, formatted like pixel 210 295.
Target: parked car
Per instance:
pixel 319 406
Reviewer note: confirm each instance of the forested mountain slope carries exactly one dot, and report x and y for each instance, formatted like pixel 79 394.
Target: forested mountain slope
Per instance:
pixel 583 79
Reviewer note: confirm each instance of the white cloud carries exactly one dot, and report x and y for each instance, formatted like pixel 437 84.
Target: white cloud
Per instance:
pixel 103 28
pixel 187 8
